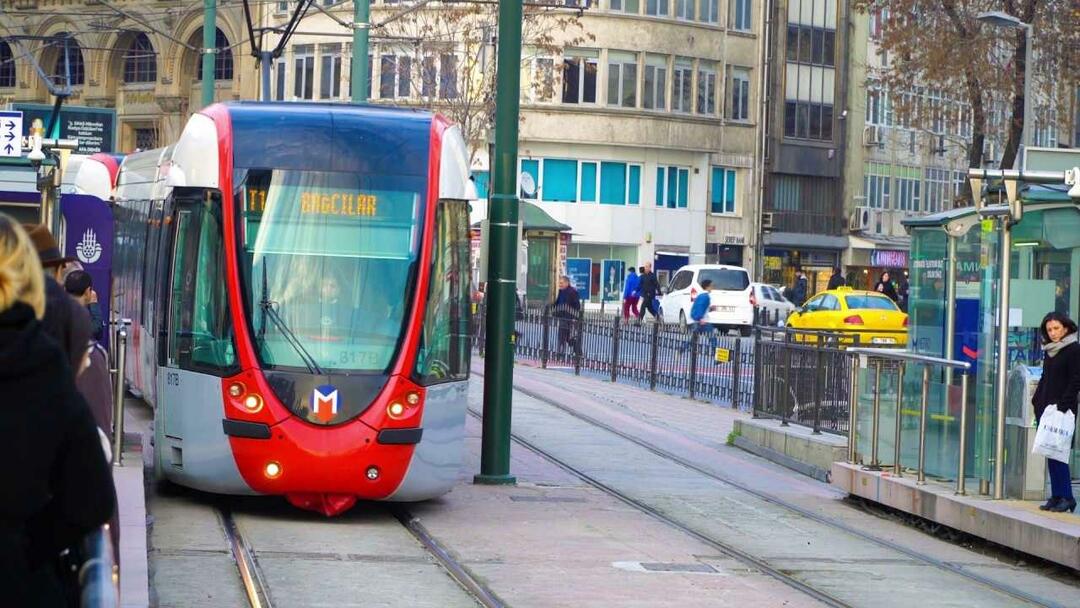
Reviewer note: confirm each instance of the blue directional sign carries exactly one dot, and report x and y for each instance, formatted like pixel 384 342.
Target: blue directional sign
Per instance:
pixel 11 133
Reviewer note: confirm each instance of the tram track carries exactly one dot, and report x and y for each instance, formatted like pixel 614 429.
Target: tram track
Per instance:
pixel 251 577
pixel 959 570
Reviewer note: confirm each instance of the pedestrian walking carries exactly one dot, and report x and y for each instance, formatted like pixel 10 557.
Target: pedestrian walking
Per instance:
pixel 631 293
pixel 64 317
pixel 57 486
pixel 80 285
pixel 567 311
pixel 799 288
pixel 1058 387
pixel 885 286
pixel 699 310
pixel 837 279
pixel 649 288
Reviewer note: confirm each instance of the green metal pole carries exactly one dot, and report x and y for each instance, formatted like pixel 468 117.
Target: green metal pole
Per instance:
pixel 209 40
pixel 359 75
pixel 502 255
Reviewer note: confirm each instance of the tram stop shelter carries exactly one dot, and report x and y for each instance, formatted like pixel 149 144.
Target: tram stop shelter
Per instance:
pixel 957 313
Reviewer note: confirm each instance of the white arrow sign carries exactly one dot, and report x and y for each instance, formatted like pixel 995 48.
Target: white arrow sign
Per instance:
pixel 11 133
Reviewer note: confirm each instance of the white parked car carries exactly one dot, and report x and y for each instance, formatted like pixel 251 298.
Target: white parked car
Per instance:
pixel 731 294
pixel 772 303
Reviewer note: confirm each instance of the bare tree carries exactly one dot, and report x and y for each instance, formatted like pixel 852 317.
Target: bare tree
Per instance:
pixel 450 58
pixel 939 46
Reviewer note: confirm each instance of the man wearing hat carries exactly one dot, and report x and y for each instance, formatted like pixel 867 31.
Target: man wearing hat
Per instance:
pixel 65 320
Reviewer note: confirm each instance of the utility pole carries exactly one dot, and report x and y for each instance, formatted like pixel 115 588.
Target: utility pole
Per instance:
pixel 502 255
pixel 209 50
pixel 361 25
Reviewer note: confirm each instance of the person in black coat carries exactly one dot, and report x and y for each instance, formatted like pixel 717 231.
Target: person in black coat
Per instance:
pixel 567 311
pixel 885 286
pixel 66 319
pixel 837 279
pixel 649 288
pixel 799 291
pixel 1058 386
pixel 56 485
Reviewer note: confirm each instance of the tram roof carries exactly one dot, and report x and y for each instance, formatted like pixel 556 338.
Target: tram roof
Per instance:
pixel 330 137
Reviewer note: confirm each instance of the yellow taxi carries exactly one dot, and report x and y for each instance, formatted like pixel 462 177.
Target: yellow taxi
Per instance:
pixel 871 316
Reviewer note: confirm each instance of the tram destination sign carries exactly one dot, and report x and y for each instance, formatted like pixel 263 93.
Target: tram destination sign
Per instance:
pixel 94 128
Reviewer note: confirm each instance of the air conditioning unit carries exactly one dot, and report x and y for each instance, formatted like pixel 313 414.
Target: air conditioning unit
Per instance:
pixel 860 219
pixel 766 220
pixel 873 135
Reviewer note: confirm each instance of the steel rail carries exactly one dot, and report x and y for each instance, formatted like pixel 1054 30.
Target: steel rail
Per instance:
pixel 258 594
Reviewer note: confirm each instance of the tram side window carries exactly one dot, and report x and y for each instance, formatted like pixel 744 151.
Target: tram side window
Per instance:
pixel 200 333
pixel 444 346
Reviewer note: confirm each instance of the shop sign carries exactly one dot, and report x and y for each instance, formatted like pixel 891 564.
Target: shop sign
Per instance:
pixel 888 259
pixel 94 128
pixel 733 239
pixel 773 263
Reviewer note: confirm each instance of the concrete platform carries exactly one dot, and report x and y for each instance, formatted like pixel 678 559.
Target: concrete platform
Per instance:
pixel 131 507
pixel 795 447
pixel 1012 523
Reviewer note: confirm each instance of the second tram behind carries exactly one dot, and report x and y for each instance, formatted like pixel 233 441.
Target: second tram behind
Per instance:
pixel 297 279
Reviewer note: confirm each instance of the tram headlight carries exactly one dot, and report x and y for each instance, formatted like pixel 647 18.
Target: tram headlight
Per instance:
pixel 253 403
pixel 372 473
pixel 413 398
pixel 395 409
pixel 272 470
pixel 236 389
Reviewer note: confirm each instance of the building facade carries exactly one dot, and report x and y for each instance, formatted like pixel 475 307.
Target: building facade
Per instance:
pixel 142 59
pixel 807 65
pixel 639 119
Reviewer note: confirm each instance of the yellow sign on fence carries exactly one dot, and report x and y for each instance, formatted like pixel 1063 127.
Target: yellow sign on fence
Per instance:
pixel 723 355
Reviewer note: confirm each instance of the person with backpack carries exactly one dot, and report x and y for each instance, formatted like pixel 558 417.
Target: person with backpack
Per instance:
pixel 698 311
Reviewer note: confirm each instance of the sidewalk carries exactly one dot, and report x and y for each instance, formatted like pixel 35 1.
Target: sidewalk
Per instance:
pixel 131 504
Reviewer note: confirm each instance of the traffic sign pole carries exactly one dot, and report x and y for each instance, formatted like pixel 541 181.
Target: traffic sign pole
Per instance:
pixel 209 50
pixel 359 75
pixel 502 258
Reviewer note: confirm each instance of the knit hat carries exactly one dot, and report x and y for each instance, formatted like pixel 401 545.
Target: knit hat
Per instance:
pixel 47 249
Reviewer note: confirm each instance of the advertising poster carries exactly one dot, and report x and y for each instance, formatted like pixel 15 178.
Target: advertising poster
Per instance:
pixel 580 272
pixel 612 273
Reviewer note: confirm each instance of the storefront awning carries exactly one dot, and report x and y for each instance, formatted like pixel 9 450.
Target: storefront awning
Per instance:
pixel 534 218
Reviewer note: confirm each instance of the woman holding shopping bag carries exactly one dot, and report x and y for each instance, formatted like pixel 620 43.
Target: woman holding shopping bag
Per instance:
pixel 1058 387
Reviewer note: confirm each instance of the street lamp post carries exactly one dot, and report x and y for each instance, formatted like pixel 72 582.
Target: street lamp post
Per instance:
pixel 1005 20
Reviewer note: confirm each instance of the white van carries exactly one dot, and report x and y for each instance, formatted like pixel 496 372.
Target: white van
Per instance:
pixel 731 294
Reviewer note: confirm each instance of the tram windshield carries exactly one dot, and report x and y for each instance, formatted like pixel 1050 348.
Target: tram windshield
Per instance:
pixel 328 265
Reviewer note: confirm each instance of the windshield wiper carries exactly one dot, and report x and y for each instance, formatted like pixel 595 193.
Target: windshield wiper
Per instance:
pixel 266 306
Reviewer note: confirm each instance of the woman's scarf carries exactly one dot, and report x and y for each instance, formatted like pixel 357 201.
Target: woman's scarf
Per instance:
pixel 1053 348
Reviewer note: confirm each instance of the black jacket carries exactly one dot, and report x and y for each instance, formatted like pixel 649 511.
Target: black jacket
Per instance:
pixel 567 303
pixel 67 321
pixel 649 286
pixel 798 292
pixel 55 485
pixel 887 288
pixel 836 280
pixel 1060 381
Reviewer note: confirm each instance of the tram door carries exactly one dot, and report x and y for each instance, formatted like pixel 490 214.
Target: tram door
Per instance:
pixel 195 347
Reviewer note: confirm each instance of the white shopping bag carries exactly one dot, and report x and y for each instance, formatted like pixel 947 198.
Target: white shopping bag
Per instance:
pixel 1054 437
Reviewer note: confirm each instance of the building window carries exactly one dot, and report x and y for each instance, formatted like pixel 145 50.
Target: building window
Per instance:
pixel 620 184
pixel 329 71
pixel 656 68
pixel 7 66
pixel 938 188
pixel 279 80
pixel 740 15
pixel 587 192
pixel 877 185
pixel 223 59
pixel 684 9
pixel 625 6
pixel 558 180
pixel 448 76
pixel 739 94
pixel 722 191
pixel 395 77
pixel 681 97
pixel 622 79
pixel 710 11
pixel 68 58
pixel 531 166
pixel 656 8
pixel 810 76
pixel 140 60
pixel 672 187
pixel 145 139
pixel 908 189
pixel 537 76
pixel 579 76
pixel 706 87
pixel 304 71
